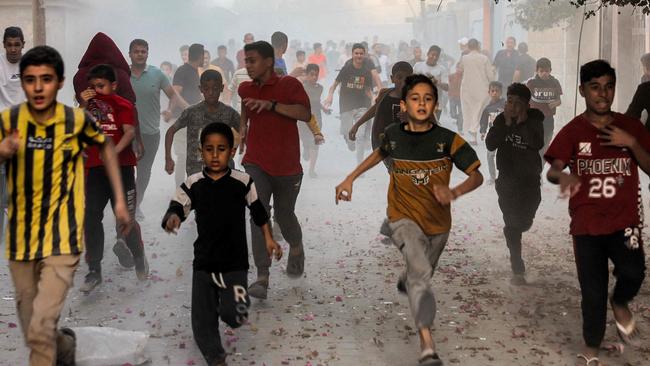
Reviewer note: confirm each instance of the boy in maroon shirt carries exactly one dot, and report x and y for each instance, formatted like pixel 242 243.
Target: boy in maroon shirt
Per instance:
pixel 603 150
pixel 116 116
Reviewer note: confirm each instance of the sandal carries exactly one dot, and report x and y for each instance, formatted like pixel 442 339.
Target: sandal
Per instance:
pixel 589 360
pixel 429 358
pixel 296 264
pixel 628 334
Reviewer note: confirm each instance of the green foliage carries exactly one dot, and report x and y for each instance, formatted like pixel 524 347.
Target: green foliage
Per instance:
pixel 535 15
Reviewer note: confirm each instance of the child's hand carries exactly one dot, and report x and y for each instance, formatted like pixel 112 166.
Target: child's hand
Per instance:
pixel 443 194
pixel 169 166
pixel 274 249
pixel 614 136
pixel 167 115
pixel 88 94
pixel 10 145
pixel 352 134
pixel 319 139
pixel 172 224
pixel 343 191
pixel 569 185
pixel 554 104
pixel 122 217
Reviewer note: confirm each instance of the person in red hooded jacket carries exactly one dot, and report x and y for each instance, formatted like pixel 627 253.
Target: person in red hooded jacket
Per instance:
pixel 103 51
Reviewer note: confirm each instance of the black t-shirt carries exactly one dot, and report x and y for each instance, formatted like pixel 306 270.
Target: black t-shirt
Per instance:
pixel 505 61
pixel 356 86
pixel 220 212
pixel 526 66
pixel 640 102
pixel 543 92
pixel 387 113
pixel 187 77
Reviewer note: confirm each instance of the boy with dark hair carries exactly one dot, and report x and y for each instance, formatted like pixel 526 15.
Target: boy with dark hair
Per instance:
pixel 116 117
pixel 603 150
pixel 41 143
pixel 219 197
pixel 386 110
pixel 489 114
pixel 196 117
pixel 419 196
pixel 310 142
pixel 517 136
pixel 437 72
pixel 546 96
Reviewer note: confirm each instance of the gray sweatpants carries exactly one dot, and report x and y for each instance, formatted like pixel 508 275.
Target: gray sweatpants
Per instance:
pixel 421 253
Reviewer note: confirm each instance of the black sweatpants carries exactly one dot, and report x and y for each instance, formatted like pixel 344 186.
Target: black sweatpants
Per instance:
pixel 214 296
pixel 592 254
pixel 518 201
pixel 98 193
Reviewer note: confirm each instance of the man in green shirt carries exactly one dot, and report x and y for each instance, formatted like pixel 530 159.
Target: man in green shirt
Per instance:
pixel 147 82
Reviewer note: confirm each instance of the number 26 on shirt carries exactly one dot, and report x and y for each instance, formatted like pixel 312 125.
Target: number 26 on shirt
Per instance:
pixel 602 187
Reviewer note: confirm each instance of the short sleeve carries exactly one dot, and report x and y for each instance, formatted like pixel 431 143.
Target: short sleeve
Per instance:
pixel 164 80
pixel 342 74
pixel 258 212
pixel 235 120
pixel 91 134
pixel 463 156
pixel 559 87
pixel 180 77
pixel 126 114
pixel 384 143
pixel 183 120
pixel 561 148
pixel 296 92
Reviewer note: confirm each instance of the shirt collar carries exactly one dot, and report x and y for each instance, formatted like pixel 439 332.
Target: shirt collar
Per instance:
pixel 272 80
pixel 205 175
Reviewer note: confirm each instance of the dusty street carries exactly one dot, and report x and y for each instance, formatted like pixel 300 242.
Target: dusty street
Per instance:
pixel 346 309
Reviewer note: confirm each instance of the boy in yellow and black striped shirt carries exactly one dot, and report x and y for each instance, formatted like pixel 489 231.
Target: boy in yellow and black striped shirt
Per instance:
pixel 41 142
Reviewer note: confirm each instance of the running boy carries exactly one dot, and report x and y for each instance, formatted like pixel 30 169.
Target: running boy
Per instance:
pixel 116 116
pixel 419 196
pixel 196 117
pixel 546 96
pixel 310 142
pixel 516 138
pixel 490 113
pixel 386 111
pixel 219 196
pixel 603 150
pixel 41 145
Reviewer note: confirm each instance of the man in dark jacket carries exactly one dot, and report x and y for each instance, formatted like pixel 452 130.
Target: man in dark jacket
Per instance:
pixel 517 135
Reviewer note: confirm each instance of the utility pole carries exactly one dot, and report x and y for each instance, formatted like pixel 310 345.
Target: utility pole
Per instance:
pixel 38 22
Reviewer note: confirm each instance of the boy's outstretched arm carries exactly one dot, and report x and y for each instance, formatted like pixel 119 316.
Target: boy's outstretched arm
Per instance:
pixel 370 113
pixel 272 247
pixel 169 140
pixel 112 168
pixel 344 189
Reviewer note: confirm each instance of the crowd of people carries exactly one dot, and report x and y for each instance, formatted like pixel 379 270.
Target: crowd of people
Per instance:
pixel 62 165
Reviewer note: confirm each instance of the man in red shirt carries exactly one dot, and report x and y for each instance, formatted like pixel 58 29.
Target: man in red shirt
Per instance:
pixel 603 150
pixel 116 116
pixel 271 107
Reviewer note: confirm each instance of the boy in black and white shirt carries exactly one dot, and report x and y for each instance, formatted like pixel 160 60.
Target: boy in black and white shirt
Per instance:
pixel 219 196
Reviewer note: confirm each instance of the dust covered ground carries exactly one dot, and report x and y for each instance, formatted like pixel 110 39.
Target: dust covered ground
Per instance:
pixel 346 310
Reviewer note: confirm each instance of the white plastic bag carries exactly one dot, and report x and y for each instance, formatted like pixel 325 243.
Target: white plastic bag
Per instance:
pixel 100 346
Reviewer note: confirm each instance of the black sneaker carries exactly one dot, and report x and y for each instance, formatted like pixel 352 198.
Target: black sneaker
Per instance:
pixel 141 267
pixel 92 280
pixel 66 344
pixel 123 254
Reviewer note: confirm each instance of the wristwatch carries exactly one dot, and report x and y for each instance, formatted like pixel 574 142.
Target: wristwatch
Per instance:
pixel 273 104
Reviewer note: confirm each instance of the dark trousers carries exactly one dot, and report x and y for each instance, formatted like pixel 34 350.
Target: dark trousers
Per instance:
pixel 592 254
pixel 98 193
pixel 518 201
pixel 284 191
pixel 549 127
pixel 151 143
pixel 214 296
pixel 456 112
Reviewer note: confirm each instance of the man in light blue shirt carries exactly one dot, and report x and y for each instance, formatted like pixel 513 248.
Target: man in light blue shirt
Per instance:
pixel 147 82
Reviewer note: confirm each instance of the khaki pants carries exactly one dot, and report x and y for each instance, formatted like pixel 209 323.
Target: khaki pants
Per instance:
pixel 41 287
